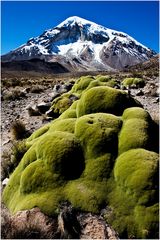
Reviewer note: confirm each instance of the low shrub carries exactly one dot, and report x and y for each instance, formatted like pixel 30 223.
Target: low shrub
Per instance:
pixel 18 151
pixel 16 94
pixel 11 159
pixel 37 89
pixel 6 165
pixel 18 130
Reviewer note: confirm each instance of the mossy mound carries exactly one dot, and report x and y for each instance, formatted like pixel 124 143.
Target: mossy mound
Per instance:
pixel 97 153
pixel 138 129
pixel 138 82
pixel 104 99
pixel 86 194
pixel 135 194
pixel 60 104
pixel 136 112
pixel 54 159
pixel 83 84
pixel 102 78
pixel 139 166
pixel 98 134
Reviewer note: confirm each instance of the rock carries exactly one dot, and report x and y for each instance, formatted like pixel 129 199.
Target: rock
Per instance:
pixel 140 93
pixel 122 87
pixel 54 95
pixel 134 86
pixel 43 107
pixel 68 225
pixel 68 86
pixel 33 111
pixel 158 91
pixel 94 227
pixel 5 181
pixel 156 100
pixel 33 224
pixel 117 86
pixel 72 97
pixel 147 92
pixel 7 141
pixel 59 88
pixel 51 113
pixel 26 90
pixel 47 119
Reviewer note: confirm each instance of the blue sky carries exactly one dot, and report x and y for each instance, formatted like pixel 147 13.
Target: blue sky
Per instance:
pixel 22 20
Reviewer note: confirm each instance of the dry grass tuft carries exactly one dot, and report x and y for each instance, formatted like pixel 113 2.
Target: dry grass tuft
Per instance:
pixel 18 130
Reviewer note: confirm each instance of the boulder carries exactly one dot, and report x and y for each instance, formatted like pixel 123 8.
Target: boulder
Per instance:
pixel 43 107
pixel 33 111
pixel 140 93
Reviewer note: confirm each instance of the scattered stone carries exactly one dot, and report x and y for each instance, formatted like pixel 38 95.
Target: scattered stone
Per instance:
pixel 54 95
pixel 33 111
pixel 134 86
pixel 58 88
pixel 4 143
pixel 62 88
pixel 147 92
pixel 26 90
pixel 47 119
pixel 5 181
pixel 94 227
pixel 140 93
pixel 122 87
pixel 33 224
pixel 156 100
pixel 73 97
pixel 51 113
pixel 43 107
pixel 68 225
pixel 117 86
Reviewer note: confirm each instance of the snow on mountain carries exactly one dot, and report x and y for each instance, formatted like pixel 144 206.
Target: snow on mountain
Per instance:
pixel 81 44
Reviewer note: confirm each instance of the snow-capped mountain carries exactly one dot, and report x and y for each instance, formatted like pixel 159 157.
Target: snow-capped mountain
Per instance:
pixel 79 44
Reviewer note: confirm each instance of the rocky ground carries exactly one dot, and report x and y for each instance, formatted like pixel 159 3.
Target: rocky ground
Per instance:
pixel 93 226
pixel 18 109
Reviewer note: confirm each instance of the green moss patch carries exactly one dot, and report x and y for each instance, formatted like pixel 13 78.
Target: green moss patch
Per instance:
pixel 86 195
pixel 98 134
pixel 60 104
pixel 136 112
pixel 137 130
pixel 104 99
pixel 138 166
pixel 82 84
pixel 99 169
pixel 139 82
pixel 134 195
pixel 63 125
pixel 134 134
pixel 103 78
